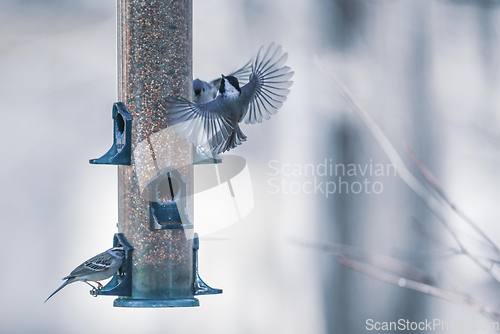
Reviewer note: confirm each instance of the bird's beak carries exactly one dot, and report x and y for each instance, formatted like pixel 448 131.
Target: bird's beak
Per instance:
pixel 223 77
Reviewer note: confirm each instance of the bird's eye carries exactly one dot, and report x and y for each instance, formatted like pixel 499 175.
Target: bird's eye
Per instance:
pixel 203 88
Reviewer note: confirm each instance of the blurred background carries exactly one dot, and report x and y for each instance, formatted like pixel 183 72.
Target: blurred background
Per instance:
pixel 427 71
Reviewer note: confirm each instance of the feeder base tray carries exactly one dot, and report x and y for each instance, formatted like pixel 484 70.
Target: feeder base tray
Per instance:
pixel 126 302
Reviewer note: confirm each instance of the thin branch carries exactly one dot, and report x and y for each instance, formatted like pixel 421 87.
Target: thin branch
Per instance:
pixel 437 187
pixel 392 271
pixel 402 170
pixel 458 298
pixel 362 255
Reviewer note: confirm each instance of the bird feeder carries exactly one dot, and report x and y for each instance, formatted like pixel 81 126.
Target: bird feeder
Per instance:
pixel 155 165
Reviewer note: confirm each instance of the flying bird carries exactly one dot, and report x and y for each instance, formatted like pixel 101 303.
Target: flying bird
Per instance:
pixel 98 268
pixel 214 125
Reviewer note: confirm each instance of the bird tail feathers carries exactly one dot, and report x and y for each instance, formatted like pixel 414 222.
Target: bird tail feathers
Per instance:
pixel 70 280
pixel 237 138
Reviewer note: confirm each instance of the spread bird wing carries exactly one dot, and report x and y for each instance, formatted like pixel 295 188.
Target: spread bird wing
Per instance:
pixel 199 123
pixel 268 86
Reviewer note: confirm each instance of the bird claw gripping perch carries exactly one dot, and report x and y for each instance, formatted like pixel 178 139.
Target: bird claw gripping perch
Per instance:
pixel 94 292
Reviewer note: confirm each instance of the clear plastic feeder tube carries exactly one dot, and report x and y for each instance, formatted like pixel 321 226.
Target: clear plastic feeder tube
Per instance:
pixel 155 62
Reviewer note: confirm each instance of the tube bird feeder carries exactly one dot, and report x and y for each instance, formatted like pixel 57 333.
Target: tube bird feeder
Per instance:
pixel 155 165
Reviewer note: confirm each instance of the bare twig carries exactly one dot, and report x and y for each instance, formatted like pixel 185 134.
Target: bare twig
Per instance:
pixel 392 271
pixel 404 173
pixel 375 259
pixel 437 187
pixel 452 296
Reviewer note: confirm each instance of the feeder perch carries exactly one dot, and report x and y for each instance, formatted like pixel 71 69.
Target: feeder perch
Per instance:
pixel 121 283
pixel 200 158
pixel 200 287
pixel 119 153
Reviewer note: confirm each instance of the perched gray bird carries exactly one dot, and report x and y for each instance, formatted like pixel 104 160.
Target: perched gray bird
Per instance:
pixel 214 126
pixel 98 268
pixel 204 92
